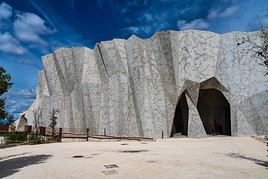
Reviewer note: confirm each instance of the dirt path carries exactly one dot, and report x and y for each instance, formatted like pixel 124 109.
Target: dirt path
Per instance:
pixel 213 157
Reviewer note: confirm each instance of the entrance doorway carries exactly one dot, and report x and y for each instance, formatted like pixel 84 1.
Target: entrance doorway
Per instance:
pixel 180 121
pixel 214 110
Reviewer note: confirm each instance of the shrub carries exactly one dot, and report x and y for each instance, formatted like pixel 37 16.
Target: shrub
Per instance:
pixel 34 139
pixel 53 123
pixel 15 137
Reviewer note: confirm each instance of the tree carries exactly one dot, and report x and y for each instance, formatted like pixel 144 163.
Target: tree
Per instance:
pixel 260 48
pixel 5 85
pixel 10 121
pixel 53 123
pixel 37 117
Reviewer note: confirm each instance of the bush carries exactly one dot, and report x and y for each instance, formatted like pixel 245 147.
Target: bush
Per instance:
pixel 34 139
pixel 15 137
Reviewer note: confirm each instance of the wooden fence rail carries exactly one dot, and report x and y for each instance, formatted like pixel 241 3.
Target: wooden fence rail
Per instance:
pixel 77 133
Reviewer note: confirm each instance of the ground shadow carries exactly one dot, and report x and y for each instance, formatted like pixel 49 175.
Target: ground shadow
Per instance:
pixel 133 151
pixel 257 161
pixel 4 146
pixel 11 166
pixel 15 155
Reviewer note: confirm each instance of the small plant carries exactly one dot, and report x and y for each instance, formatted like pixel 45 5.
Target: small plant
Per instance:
pixel 53 123
pixel 34 139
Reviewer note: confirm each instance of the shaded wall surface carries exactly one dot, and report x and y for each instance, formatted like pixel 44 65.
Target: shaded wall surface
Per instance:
pixel 132 87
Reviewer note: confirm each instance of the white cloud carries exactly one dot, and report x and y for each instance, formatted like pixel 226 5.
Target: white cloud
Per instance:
pixel 30 27
pixel 5 11
pixel 212 14
pixel 148 17
pixel 18 105
pixel 133 29
pixel 26 62
pixel 181 23
pixel 138 29
pixel 19 101
pixel 10 45
pixel 228 11
pixel 25 93
pixel 195 24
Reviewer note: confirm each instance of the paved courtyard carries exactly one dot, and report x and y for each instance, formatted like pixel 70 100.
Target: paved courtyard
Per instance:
pixel 212 157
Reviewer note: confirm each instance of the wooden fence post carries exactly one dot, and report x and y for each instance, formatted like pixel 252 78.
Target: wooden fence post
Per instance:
pixel 28 128
pixel 162 134
pixel 42 131
pixel 87 133
pixel 104 131
pixel 60 134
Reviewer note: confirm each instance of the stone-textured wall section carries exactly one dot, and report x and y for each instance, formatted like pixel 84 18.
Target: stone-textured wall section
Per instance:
pixel 131 87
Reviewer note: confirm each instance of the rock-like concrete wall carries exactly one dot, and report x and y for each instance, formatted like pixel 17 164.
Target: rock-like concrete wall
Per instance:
pixel 131 87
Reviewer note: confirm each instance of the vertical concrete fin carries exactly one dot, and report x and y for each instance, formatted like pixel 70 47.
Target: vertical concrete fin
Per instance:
pixel 192 89
pixel 193 92
pixel 100 52
pixel 195 125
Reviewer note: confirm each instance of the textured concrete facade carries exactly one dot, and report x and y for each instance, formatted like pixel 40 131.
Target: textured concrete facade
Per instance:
pixel 132 87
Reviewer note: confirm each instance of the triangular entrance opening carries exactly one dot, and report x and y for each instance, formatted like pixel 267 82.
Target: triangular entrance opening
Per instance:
pixel 214 110
pixel 180 120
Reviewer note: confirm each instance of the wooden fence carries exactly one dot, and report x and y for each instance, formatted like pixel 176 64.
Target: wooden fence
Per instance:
pixel 78 133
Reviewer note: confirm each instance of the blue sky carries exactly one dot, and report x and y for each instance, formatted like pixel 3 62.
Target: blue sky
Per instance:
pixel 32 28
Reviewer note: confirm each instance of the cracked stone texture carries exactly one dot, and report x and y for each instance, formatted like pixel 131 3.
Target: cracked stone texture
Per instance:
pixel 131 87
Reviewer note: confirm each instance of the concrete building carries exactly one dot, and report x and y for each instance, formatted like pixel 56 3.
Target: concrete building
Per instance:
pixel 190 82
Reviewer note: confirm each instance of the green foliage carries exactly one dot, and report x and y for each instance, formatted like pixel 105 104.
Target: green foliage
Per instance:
pixel 14 137
pixel 5 85
pixel 53 123
pixel 4 81
pixel 34 139
pixel 10 119
pixel 3 112
pixel 18 137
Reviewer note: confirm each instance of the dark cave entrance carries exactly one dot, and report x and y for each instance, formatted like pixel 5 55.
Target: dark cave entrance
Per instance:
pixel 214 110
pixel 180 121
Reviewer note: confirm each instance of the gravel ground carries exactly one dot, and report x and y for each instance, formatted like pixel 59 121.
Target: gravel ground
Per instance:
pixel 212 157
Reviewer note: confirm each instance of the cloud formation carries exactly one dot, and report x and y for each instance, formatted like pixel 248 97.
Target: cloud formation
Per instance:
pixel 139 29
pixel 195 24
pixel 20 31
pixel 147 17
pixel 10 45
pixel 229 11
pixel 29 28
pixel 17 102
pixel 5 11
pixel 204 23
